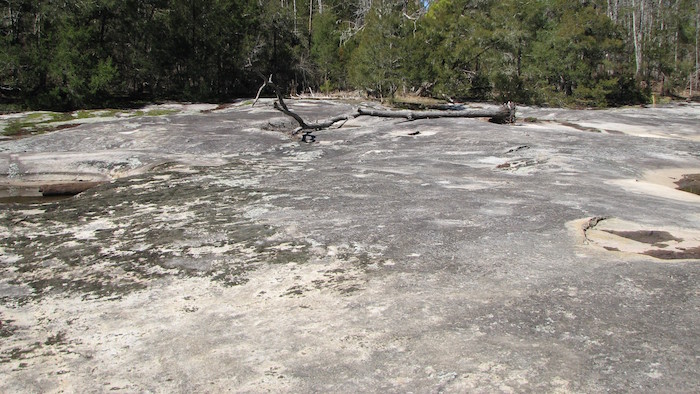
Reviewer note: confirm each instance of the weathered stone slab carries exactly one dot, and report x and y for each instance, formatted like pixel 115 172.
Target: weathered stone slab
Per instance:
pixel 448 255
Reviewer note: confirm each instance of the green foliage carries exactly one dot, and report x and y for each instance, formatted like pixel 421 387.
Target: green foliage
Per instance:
pixel 387 57
pixel 153 112
pixel 510 87
pixel 374 65
pixel 582 40
pixel 37 122
pixel 103 78
pixel 327 87
pixel 81 54
pixel 460 34
pixel 325 48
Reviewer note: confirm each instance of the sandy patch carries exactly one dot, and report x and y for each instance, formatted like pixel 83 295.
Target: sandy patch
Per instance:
pixel 629 238
pixel 660 183
pixel 669 176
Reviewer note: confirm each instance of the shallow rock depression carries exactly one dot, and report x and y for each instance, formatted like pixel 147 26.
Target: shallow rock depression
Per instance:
pixel 213 252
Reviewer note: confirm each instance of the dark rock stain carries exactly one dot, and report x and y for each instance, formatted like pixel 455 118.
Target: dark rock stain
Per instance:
pixel 651 237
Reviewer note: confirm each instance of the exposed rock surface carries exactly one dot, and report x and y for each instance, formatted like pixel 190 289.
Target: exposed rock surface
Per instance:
pixel 436 255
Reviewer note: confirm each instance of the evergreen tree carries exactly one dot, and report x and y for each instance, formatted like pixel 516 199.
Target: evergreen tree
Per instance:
pixel 325 50
pixel 375 64
pixel 64 55
pixel 585 44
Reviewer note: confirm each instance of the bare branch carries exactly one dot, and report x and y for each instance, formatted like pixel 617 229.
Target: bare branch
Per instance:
pixel 257 96
pixel 504 114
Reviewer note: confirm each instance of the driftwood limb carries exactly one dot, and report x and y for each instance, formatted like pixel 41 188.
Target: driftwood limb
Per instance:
pixel 257 96
pixel 281 106
pixel 503 114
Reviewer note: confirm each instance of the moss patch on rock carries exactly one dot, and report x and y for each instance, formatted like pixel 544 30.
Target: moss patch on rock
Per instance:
pixel 119 237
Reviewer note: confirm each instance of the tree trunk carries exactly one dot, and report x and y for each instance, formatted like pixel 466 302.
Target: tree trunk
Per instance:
pixel 311 12
pixel 294 3
pixel 503 114
pixel 637 36
pixel 697 37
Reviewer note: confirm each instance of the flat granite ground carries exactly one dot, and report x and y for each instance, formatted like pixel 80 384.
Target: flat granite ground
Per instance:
pixel 447 255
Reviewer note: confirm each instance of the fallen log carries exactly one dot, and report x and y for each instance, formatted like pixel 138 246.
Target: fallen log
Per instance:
pixel 503 114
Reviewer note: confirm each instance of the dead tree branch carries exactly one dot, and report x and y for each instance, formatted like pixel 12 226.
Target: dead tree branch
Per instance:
pixel 281 106
pixel 503 114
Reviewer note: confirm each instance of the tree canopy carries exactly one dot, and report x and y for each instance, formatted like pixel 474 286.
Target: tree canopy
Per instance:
pixel 83 53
